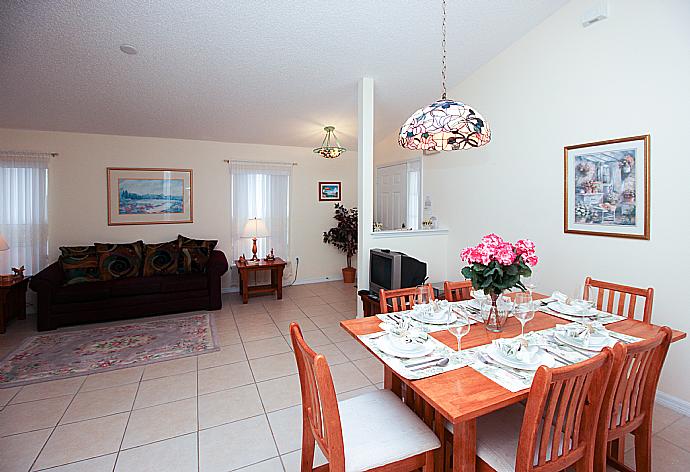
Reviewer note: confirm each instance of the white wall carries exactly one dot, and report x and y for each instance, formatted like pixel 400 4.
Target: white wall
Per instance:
pixel 559 85
pixel 77 192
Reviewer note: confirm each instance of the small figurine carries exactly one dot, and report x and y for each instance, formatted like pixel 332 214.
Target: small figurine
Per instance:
pixel 243 259
pixel 18 272
pixel 271 256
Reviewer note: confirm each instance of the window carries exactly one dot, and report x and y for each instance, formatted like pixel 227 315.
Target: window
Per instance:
pixel 23 210
pixel 261 190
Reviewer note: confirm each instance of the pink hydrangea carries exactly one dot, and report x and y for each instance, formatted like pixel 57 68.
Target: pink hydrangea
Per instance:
pixel 530 260
pixel 505 255
pixel 524 246
pixel 494 248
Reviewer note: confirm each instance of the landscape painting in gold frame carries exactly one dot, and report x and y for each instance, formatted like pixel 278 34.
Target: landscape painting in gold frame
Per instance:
pixel 606 188
pixel 149 196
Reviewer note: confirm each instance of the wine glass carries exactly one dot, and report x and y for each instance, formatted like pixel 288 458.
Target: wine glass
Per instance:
pixel 530 283
pixel 459 328
pixel 523 310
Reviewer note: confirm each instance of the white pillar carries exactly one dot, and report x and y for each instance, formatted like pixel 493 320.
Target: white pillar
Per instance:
pixel 365 180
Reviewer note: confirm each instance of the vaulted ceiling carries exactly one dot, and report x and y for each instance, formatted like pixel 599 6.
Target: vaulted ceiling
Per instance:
pixel 253 71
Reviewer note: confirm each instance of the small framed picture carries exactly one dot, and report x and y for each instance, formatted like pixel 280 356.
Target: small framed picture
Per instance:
pixel 329 191
pixel 149 196
pixel 606 188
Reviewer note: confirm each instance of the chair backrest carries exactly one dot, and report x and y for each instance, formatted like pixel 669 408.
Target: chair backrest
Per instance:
pixel 457 291
pixel 559 425
pixel 400 299
pixel 320 413
pixel 629 397
pixel 606 293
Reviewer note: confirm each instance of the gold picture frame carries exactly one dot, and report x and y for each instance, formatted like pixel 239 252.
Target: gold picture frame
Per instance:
pixel 606 188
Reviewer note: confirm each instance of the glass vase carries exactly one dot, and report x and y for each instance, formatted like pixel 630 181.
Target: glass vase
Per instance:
pixel 495 311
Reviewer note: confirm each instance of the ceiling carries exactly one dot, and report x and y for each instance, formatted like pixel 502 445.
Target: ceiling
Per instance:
pixel 253 71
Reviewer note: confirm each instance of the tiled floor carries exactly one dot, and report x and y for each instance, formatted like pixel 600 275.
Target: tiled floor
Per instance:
pixel 236 409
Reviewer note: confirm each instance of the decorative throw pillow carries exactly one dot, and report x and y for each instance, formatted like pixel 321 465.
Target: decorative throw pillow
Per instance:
pixel 80 264
pixel 118 261
pixel 194 254
pixel 160 259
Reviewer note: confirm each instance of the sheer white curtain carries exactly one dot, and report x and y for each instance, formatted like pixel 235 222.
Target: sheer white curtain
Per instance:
pixel 261 190
pixel 24 210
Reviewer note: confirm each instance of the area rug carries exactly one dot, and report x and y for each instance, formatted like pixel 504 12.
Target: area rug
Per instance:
pixel 100 349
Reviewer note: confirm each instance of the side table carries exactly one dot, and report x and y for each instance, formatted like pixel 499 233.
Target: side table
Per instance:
pixel 276 267
pixel 12 299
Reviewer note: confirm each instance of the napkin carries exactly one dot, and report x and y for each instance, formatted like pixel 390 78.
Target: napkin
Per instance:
pixel 517 348
pixel 560 297
pixel 478 294
pixel 585 332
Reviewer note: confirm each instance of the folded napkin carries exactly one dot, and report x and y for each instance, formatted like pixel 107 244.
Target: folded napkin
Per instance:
pixel 518 349
pixel 589 332
pixel 560 297
pixel 478 294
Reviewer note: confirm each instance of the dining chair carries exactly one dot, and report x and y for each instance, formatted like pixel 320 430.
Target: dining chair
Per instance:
pixel 457 291
pixel 374 431
pixel 629 402
pixel 400 299
pixel 606 294
pixel 555 430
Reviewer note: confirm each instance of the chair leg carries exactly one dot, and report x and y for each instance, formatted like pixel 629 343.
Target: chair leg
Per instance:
pixel 308 445
pixel 429 461
pixel 643 447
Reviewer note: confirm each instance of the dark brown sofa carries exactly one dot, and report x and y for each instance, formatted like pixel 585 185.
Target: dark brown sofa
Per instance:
pixel 60 305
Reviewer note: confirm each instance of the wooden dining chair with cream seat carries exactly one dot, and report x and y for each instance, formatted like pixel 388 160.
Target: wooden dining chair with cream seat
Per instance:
pixel 629 402
pixel 555 430
pixel 373 431
pixel 401 299
pixel 619 299
pixel 457 291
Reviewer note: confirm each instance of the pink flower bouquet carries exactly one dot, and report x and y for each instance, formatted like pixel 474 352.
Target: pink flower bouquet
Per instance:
pixel 496 265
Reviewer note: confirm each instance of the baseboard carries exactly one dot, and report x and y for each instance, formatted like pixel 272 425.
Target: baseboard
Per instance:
pixel 314 280
pixel 674 403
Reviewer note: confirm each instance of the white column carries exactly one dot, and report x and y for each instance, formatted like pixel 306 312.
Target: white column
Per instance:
pixel 365 180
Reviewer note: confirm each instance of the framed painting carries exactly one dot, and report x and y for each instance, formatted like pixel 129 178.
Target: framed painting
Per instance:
pixel 329 191
pixel 149 196
pixel 606 188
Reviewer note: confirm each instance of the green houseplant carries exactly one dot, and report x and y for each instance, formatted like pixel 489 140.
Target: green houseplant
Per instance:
pixel 344 237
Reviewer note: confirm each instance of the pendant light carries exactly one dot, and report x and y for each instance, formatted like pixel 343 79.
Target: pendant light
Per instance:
pixel 327 150
pixel 445 125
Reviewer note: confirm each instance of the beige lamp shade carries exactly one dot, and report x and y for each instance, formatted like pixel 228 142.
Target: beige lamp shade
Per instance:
pixel 255 228
pixel 3 244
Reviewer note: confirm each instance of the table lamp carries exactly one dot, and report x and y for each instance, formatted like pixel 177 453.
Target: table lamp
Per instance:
pixel 3 247
pixel 255 228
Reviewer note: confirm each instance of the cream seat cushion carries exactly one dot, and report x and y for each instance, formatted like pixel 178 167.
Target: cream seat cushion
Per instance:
pixel 378 429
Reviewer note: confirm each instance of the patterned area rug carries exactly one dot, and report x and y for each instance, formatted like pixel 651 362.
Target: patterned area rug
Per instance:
pixel 87 351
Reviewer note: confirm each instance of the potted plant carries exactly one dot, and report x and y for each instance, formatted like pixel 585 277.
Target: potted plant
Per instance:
pixel 344 237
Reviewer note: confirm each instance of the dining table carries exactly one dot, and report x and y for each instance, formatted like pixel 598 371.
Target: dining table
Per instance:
pixel 463 395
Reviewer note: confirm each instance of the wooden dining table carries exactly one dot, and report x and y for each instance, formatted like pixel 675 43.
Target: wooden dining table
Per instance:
pixel 463 395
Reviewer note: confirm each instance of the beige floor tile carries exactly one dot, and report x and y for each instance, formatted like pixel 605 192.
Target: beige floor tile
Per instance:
pixel 50 389
pixel 303 303
pixel 166 389
pixel 317 311
pixel 663 417
pixel 287 315
pixel 19 451
pixel 353 350
pixel 112 378
pixel 348 377
pixel 305 324
pixel 280 393
pixel 228 338
pixel 280 365
pixel 257 319
pixel 314 338
pixel 270 465
pixel 219 454
pixel 286 425
pixel 97 464
pixel 678 433
pixel 292 461
pixel 349 309
pixel 279 305
pixel 266 347
pixel 161 422
pixel 224 377
pixel 30 416
pixel 7 394
pixel 226 355
pixel 97 403
pixel 332 353
pixel 666 457
pixel 356 393
pixel 76 441
pixel 172 455
pixel 327 321
pixel 336 334
pixel 372 368
pixel 168 368
pixel 248 309
pixel 255 333
pixel 229 405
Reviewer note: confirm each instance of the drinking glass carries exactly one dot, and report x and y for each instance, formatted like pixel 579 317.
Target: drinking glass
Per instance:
pixel 459 328
pixel 422 300
pixel 530 283
pixel 523 310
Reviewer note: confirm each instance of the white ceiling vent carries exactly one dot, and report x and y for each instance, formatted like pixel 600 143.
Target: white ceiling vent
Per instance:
pixel 597 12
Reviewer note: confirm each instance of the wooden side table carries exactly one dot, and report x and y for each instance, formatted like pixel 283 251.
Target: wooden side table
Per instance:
pixel 12 299
pixel 276 267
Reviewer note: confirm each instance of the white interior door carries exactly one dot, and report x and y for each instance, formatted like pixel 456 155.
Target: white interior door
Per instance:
pixel 391 196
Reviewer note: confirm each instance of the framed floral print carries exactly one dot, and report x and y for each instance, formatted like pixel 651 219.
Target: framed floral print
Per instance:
pixel 606 188
pixel 329 192
pixel 149 196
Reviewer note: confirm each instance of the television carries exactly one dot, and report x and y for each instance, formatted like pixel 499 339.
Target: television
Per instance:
pixel 390 270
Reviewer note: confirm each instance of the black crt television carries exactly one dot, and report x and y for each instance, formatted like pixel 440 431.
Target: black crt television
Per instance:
pixel 389 270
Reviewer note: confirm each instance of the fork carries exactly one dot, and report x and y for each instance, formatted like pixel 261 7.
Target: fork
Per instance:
pixel 484 360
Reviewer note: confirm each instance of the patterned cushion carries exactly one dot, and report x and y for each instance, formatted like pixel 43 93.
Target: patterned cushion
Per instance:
pixel 80 264
pixel 194 254
pixel 160 259
pixel 116 261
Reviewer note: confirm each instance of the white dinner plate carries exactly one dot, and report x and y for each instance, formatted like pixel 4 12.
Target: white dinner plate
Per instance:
pixel 569 310
pixel 575 342
pixel 449 317
pixel 423 349
pixel 542 358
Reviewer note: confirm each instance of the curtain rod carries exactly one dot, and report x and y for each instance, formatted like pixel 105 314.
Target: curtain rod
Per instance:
pixel 228 161
pixel 28 153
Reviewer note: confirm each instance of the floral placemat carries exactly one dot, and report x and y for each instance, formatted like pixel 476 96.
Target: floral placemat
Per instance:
pixel 404 367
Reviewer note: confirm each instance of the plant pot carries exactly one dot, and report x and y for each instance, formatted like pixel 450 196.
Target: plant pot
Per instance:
pixel 349 274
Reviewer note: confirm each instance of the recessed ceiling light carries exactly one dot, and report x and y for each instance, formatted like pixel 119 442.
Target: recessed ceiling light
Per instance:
pixel 128 49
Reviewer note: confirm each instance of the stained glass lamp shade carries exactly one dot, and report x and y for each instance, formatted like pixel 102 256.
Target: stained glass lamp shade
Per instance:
pixel 327 149
pixel 445 125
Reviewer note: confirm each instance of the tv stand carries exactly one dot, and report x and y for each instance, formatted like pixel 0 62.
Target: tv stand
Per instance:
pixel 372 305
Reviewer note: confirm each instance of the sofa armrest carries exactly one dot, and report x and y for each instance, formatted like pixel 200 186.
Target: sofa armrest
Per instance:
pixel 49 279
pixel 217 264
pixel 216 267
